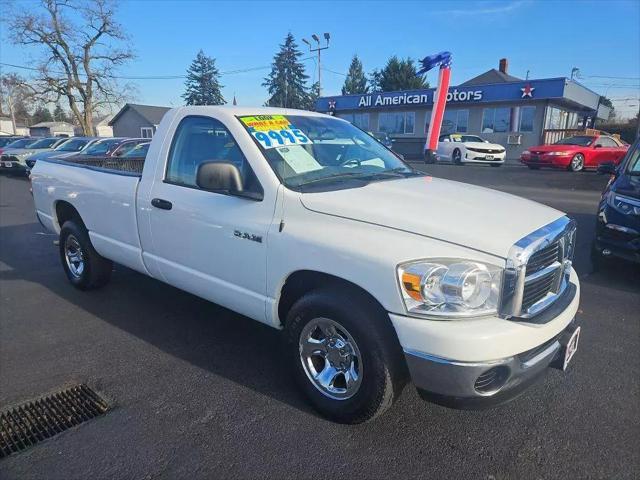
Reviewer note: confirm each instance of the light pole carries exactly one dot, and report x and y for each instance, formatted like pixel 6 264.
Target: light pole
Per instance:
pixel 318 49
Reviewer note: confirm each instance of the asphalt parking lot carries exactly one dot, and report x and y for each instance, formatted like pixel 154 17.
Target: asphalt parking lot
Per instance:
pixel 199 391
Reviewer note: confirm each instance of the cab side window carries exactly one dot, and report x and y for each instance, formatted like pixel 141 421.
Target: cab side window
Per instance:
pixel 203 139
pixel 606 142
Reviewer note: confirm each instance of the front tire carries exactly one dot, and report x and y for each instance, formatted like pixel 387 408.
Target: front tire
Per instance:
pixel 84 267
pixel 456 157
pixel 577 163
pixel 345 354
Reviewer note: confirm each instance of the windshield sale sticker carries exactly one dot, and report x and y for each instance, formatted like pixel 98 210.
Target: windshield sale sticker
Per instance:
pixel 273 131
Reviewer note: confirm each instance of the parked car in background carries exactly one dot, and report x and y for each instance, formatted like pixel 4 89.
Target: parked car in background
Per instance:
pixel 70 147
pixel 7 140
pixel 14 159
pixel 304 222
pixel 618 223
pixel 575 153
pixel 17 142
pixel 460 148
pixel 139 151
pixel 383 138
pixel 109 147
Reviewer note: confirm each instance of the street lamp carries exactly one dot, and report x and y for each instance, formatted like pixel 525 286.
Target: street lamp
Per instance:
pixel 318 49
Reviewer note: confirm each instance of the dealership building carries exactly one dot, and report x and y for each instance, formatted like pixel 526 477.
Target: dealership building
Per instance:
pixel 498 107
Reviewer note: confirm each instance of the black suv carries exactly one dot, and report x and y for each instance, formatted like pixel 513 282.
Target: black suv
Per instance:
pixel 618 224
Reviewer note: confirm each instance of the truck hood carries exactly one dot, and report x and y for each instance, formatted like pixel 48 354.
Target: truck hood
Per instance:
pixel 454 212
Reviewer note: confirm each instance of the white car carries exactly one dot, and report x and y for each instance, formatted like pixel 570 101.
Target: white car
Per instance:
pixel 375 272
pixel 460 148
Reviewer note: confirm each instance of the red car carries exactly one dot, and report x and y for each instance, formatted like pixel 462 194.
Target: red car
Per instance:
pixel 576 153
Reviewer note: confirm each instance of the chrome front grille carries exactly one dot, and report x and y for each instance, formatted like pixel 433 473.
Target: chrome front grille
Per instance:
pixel 538 269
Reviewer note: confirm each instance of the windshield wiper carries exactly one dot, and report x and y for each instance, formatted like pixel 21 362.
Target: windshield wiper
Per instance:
pixel 330 178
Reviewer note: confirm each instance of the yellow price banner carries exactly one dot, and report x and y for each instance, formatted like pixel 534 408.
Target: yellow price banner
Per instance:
pixel 264 123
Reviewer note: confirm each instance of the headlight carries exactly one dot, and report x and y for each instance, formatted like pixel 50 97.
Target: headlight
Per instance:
pixel 625 205
pixel 450 288
pixel 525 152
pixel 558 153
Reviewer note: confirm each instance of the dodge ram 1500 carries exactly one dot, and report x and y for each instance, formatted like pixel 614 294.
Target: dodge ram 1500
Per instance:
pixel 376 273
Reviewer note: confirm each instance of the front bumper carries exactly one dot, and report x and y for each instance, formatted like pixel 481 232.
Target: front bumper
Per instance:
pixel 11 164
pixel 552 161
pixel 617 235
pixel 478 363
pixel 478 385
pixel 479 157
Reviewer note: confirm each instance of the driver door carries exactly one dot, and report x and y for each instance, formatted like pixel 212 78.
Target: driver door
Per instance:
pixel 208 243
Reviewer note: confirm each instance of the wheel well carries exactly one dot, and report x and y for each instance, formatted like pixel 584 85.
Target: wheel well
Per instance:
pixel 301 282
pixel 65 211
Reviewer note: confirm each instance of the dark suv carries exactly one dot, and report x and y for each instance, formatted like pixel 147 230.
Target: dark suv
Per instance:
pixel 618 224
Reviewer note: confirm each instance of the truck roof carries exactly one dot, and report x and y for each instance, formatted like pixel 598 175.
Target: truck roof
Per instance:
pixel 238 111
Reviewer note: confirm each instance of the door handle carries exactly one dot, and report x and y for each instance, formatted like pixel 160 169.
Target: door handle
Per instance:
pixel 162 204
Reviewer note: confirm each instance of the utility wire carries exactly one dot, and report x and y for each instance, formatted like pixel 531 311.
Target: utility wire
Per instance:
pixel 153 77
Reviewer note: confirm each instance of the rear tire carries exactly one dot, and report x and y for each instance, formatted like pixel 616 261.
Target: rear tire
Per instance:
pixel 340 330
pixel 84 267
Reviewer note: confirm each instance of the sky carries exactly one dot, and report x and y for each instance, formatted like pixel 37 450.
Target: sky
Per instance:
pixel 545 38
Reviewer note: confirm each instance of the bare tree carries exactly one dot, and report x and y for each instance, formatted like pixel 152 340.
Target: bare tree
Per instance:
pixel 15 98
pixel 77 38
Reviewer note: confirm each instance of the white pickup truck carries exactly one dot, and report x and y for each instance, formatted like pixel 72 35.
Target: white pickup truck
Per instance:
pixel 376 273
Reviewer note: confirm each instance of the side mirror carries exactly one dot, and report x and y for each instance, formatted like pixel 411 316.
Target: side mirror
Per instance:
pixel 223 177
pixel 607 168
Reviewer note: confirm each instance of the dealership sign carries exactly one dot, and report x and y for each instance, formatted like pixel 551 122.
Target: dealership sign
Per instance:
pixel 408 98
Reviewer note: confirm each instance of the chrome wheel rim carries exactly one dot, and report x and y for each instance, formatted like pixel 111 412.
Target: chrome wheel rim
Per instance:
pixel 330 358
pixel 577 162
pixel 74 256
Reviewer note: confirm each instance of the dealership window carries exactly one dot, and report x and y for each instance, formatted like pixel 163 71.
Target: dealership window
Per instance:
pixel 496 120
pixel 396 122
pixel 360 120
pixel 455 121
pixel 527 116
pixel 146 132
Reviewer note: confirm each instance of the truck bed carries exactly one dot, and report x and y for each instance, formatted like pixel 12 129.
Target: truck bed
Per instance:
pixel 103 191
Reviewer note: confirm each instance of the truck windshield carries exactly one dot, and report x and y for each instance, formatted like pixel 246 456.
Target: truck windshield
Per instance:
pixel 309 152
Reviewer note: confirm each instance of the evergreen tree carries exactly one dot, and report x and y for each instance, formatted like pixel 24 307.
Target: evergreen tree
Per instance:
pixel 287 81
pixel 400 74
pixel 59 115
pixel 374 80
pixel 41 114
pixel 356 82
pixel 314 93
pixel 202 86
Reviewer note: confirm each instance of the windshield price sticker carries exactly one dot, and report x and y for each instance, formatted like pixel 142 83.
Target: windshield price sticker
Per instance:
pixel 264 123
pixel 273 131
pixel 281 138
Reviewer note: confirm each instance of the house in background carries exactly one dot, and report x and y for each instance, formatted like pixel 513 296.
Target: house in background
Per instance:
pixel 51 129
pixel 137 121
pixel 6 126
pixel 102 128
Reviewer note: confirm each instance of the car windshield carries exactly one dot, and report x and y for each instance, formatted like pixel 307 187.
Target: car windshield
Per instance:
pixel 6 141
pixel 137 151
pixel 101 148
pixel 73 145
pixel 310 152
pixel 22 143
pixel 466 138
pixel 634 160
pixel 581 140
pixel 44 143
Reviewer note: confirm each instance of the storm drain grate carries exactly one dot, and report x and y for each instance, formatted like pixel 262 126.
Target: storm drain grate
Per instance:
pixel 34 421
